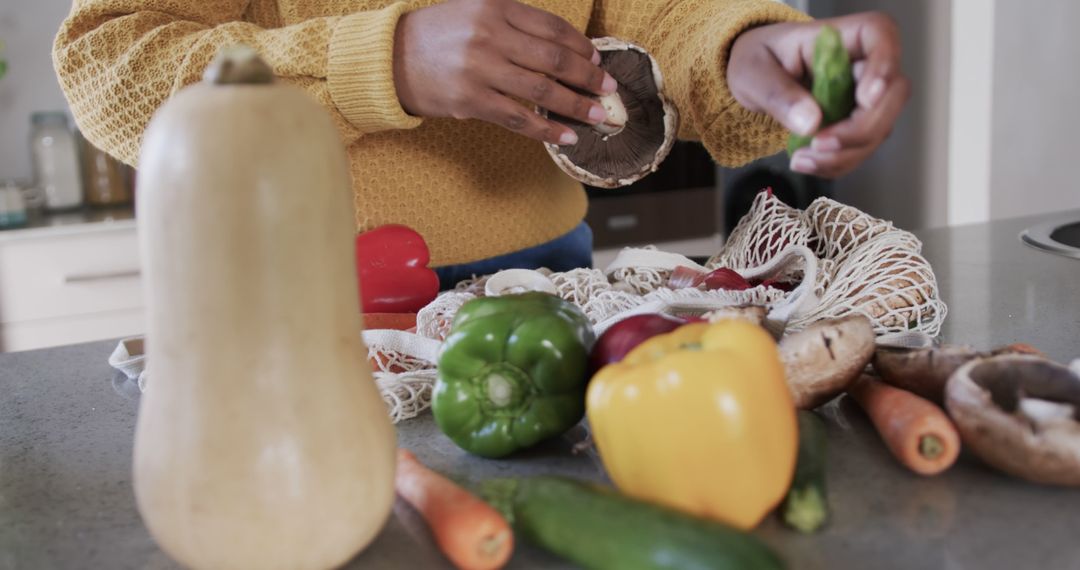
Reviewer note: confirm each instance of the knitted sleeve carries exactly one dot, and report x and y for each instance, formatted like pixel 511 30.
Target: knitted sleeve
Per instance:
pixel 119 60
pixel 690 39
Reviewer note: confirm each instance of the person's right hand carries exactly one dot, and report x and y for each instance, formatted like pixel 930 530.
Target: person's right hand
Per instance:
pixel 467 58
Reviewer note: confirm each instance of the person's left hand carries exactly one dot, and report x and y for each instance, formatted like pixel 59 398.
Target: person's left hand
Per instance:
pixel 769 67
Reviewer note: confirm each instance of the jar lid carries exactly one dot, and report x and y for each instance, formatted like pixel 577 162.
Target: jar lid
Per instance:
pixel 49 118
pixel 6 183
pixel 12 200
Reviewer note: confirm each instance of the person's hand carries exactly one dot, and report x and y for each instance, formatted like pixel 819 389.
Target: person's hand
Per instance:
pixel 769 68
pixel 467 58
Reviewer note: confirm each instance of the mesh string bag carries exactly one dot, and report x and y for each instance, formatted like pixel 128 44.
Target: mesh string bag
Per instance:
pixel 767 229
pixel 866 264
pixel 844 261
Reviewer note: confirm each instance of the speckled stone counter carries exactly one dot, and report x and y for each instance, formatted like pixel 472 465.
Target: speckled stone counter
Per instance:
pixel 67 420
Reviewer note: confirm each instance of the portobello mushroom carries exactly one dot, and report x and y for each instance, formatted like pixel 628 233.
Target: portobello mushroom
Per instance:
pixel 823 359
pixel 640 129
pixel 926 371
pixel 1021 415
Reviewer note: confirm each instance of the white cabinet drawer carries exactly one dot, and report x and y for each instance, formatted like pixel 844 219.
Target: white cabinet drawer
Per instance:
pixel 83 273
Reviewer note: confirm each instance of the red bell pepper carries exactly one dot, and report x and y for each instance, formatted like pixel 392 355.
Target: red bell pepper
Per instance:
pixel 391 264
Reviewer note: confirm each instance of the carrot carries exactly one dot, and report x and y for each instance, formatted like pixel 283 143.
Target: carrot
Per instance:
pixel 917 432
pixel 472 534
pixel 394 321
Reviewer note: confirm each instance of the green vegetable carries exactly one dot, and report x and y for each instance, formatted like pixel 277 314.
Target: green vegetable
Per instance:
pixel 805 507
pixel 512 372
pixel 834 84
pixel 597 527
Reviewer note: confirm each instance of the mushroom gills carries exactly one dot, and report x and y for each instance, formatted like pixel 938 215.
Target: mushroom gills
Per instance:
pixel 639 131
pixel 1044 413
pixel 1011 380
pixel 643 133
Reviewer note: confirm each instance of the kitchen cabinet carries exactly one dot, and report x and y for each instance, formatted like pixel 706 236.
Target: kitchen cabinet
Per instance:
pixel 677 202
pixel 75 281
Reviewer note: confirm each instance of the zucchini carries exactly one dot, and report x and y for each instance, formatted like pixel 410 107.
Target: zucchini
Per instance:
pixel 597 527
pixel 805 508
pixel 833 83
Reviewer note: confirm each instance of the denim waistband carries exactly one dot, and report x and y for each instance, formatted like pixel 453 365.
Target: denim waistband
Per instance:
pixel 568 251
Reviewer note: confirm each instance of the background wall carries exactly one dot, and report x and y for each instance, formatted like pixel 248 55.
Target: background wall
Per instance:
pixel 990 130
pixel 27 28
pixel 907 179
pixel 1036 107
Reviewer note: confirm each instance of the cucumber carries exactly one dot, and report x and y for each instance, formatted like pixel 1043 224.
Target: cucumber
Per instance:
pixel 805 508
pixel 834 84
pixel 596 527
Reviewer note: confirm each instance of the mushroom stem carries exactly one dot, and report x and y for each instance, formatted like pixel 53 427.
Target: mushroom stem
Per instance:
pixel 930 446
pixel 616 115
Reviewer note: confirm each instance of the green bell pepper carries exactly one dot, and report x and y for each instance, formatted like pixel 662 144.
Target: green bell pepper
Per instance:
pixel 512 372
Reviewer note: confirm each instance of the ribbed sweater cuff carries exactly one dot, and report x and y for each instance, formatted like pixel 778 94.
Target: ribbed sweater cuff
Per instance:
pixel 361 70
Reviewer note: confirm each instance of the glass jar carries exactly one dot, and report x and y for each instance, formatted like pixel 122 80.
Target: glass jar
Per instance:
pixel 56 161
pixel 104 179
pixel 12 205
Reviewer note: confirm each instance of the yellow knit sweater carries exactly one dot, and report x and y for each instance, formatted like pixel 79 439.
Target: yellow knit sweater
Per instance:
pixel 472 189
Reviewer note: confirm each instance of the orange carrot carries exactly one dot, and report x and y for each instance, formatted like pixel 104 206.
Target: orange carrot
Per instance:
pixel 917 432
pixel 472 534
pixel 394 321
pixel 381 361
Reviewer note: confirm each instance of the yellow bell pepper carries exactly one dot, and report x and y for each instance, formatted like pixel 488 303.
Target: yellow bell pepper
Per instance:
pixel 699 419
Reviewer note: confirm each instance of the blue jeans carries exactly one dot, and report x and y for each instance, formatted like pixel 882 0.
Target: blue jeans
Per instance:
pixel 569 251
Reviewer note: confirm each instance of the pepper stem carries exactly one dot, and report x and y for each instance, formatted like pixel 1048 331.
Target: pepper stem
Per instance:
pixel 499 390
pixel 504 386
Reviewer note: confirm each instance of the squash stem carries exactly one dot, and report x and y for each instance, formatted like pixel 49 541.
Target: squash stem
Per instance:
pixel 238 65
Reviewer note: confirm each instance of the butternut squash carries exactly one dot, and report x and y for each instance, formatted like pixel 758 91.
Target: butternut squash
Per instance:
pixel 262 441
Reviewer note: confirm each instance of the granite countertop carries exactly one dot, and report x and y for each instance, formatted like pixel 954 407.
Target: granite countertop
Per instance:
pixel 82 220
pixel 67 420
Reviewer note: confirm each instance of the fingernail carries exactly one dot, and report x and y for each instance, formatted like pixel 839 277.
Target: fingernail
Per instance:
pixel 802 163
pixel 874 91
pixel 609 85
pixel 825 144
pixel 596 57
pixel 857 69
pixel 802 116
pixel 597 114
pixel 569 137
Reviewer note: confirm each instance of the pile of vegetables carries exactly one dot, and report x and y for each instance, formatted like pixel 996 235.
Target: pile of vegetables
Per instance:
pixel 704 425
pixel 674 404
pixel 704 428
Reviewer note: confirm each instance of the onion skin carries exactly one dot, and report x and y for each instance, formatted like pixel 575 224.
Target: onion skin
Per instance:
pixel 626 334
